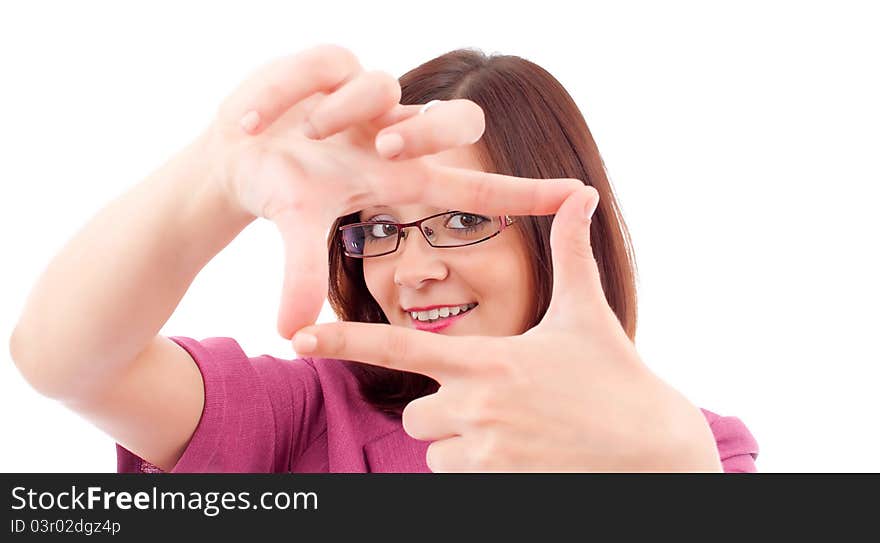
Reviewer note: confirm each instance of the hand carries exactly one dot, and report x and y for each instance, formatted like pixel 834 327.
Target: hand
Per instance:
pixel 570 394
pixel 299 144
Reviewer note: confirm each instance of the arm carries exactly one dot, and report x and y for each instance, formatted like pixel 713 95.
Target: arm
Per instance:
pixel 88 333
pixel 109 291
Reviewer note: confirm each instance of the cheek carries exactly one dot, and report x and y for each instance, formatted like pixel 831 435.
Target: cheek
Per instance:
pixel 513 286
pixel 507 270
pixel 514 289
pixel 379 282
pixel 504 285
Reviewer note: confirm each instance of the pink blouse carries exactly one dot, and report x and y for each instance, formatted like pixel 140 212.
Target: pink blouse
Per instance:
pixel 268 415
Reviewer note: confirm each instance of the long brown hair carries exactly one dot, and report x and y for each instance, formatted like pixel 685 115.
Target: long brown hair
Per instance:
pixel 533 129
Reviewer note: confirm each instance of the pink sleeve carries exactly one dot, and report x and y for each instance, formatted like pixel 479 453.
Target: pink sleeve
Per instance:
pixel 737 447
pixel 260 413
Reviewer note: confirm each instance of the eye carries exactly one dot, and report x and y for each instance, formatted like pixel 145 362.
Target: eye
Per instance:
pixel 465 220
pixel 381 230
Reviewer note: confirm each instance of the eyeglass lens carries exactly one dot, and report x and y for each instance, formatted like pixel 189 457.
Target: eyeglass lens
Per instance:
pixel 449 230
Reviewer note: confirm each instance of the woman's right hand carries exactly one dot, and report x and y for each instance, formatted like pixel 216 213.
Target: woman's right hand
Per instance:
pixel 298 143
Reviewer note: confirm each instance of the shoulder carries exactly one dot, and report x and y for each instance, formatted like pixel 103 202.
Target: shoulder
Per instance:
pixel 260 412
pixel 317 379
pixel 224 356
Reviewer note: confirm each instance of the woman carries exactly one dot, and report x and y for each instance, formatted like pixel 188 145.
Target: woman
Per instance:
pixel 311 141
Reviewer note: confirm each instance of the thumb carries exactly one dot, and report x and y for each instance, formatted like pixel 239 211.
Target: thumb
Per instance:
pixel 305 269
pixel 576 280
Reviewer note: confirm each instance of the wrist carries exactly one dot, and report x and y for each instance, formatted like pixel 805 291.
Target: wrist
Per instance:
pixel 203 219
pixel 201 158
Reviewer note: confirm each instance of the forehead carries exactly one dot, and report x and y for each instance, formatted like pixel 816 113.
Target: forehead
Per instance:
pixel 409 212
pixel 464 156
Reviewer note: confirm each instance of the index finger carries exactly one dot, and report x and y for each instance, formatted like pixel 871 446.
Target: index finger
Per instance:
pixel 474 190
pixel 436 355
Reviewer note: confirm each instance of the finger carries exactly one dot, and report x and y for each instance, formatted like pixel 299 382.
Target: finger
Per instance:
pixel 476 191
pixel 305 268
pixel 447 124
pixel 429 418
pixel 576 279
pixel 398 113
pixel 366 97
pixel 451 455
pixel 281 84
pixel 401 112
pixel 436 355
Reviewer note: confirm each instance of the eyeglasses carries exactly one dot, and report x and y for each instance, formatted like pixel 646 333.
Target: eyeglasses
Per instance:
pixel 443 230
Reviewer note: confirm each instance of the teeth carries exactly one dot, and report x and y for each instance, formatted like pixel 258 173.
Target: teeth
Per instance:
pixel 442 312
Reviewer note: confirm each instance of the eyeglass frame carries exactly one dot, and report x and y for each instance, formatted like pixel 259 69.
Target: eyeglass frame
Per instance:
pixel 506 220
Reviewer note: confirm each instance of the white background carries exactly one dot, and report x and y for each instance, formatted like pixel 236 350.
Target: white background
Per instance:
pixel 742 141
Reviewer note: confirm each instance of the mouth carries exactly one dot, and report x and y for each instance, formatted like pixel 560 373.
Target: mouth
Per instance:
pixel 440 318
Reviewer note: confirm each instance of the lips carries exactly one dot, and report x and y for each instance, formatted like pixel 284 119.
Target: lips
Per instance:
pixel 430 307
pixel 440 311
pixel 439 324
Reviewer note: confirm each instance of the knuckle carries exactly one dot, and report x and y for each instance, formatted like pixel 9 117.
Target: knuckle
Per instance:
pixel 330 63
pixel 397 348
pixel 579 244
pixel 273 90
pixel 487 455
pixel 483 409
pixel 332 51
pixel 386 85
pixel 337 342
pixel 484 191
pixel 439 132
pixel 502 363
pixel 518 369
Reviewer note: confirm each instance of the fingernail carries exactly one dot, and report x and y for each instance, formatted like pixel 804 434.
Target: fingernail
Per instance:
pixel 590 208
pixel 303 343
pixel 424 109
pixel 250 121
pixel 389 145
pixel 310 131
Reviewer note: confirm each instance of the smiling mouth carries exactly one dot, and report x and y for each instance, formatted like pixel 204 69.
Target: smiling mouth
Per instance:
pixel 440 315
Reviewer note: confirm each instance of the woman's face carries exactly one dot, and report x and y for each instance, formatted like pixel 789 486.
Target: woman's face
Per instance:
pixel 494 274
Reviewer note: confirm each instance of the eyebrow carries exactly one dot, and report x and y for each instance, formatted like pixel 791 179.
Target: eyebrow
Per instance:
pixel 367 210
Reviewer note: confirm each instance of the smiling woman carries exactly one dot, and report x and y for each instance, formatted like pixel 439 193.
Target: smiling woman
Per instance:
pixel 533 129
pixel 444 227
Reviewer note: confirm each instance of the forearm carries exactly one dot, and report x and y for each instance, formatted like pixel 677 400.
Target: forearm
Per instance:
pixel 112 287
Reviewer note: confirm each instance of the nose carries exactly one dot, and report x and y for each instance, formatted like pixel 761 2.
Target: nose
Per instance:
pixel 417 261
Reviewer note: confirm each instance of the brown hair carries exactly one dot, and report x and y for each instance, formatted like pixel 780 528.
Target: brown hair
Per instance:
pixel 533 129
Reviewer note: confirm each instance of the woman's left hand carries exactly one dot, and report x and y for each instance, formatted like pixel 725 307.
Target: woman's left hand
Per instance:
pixel 570 394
